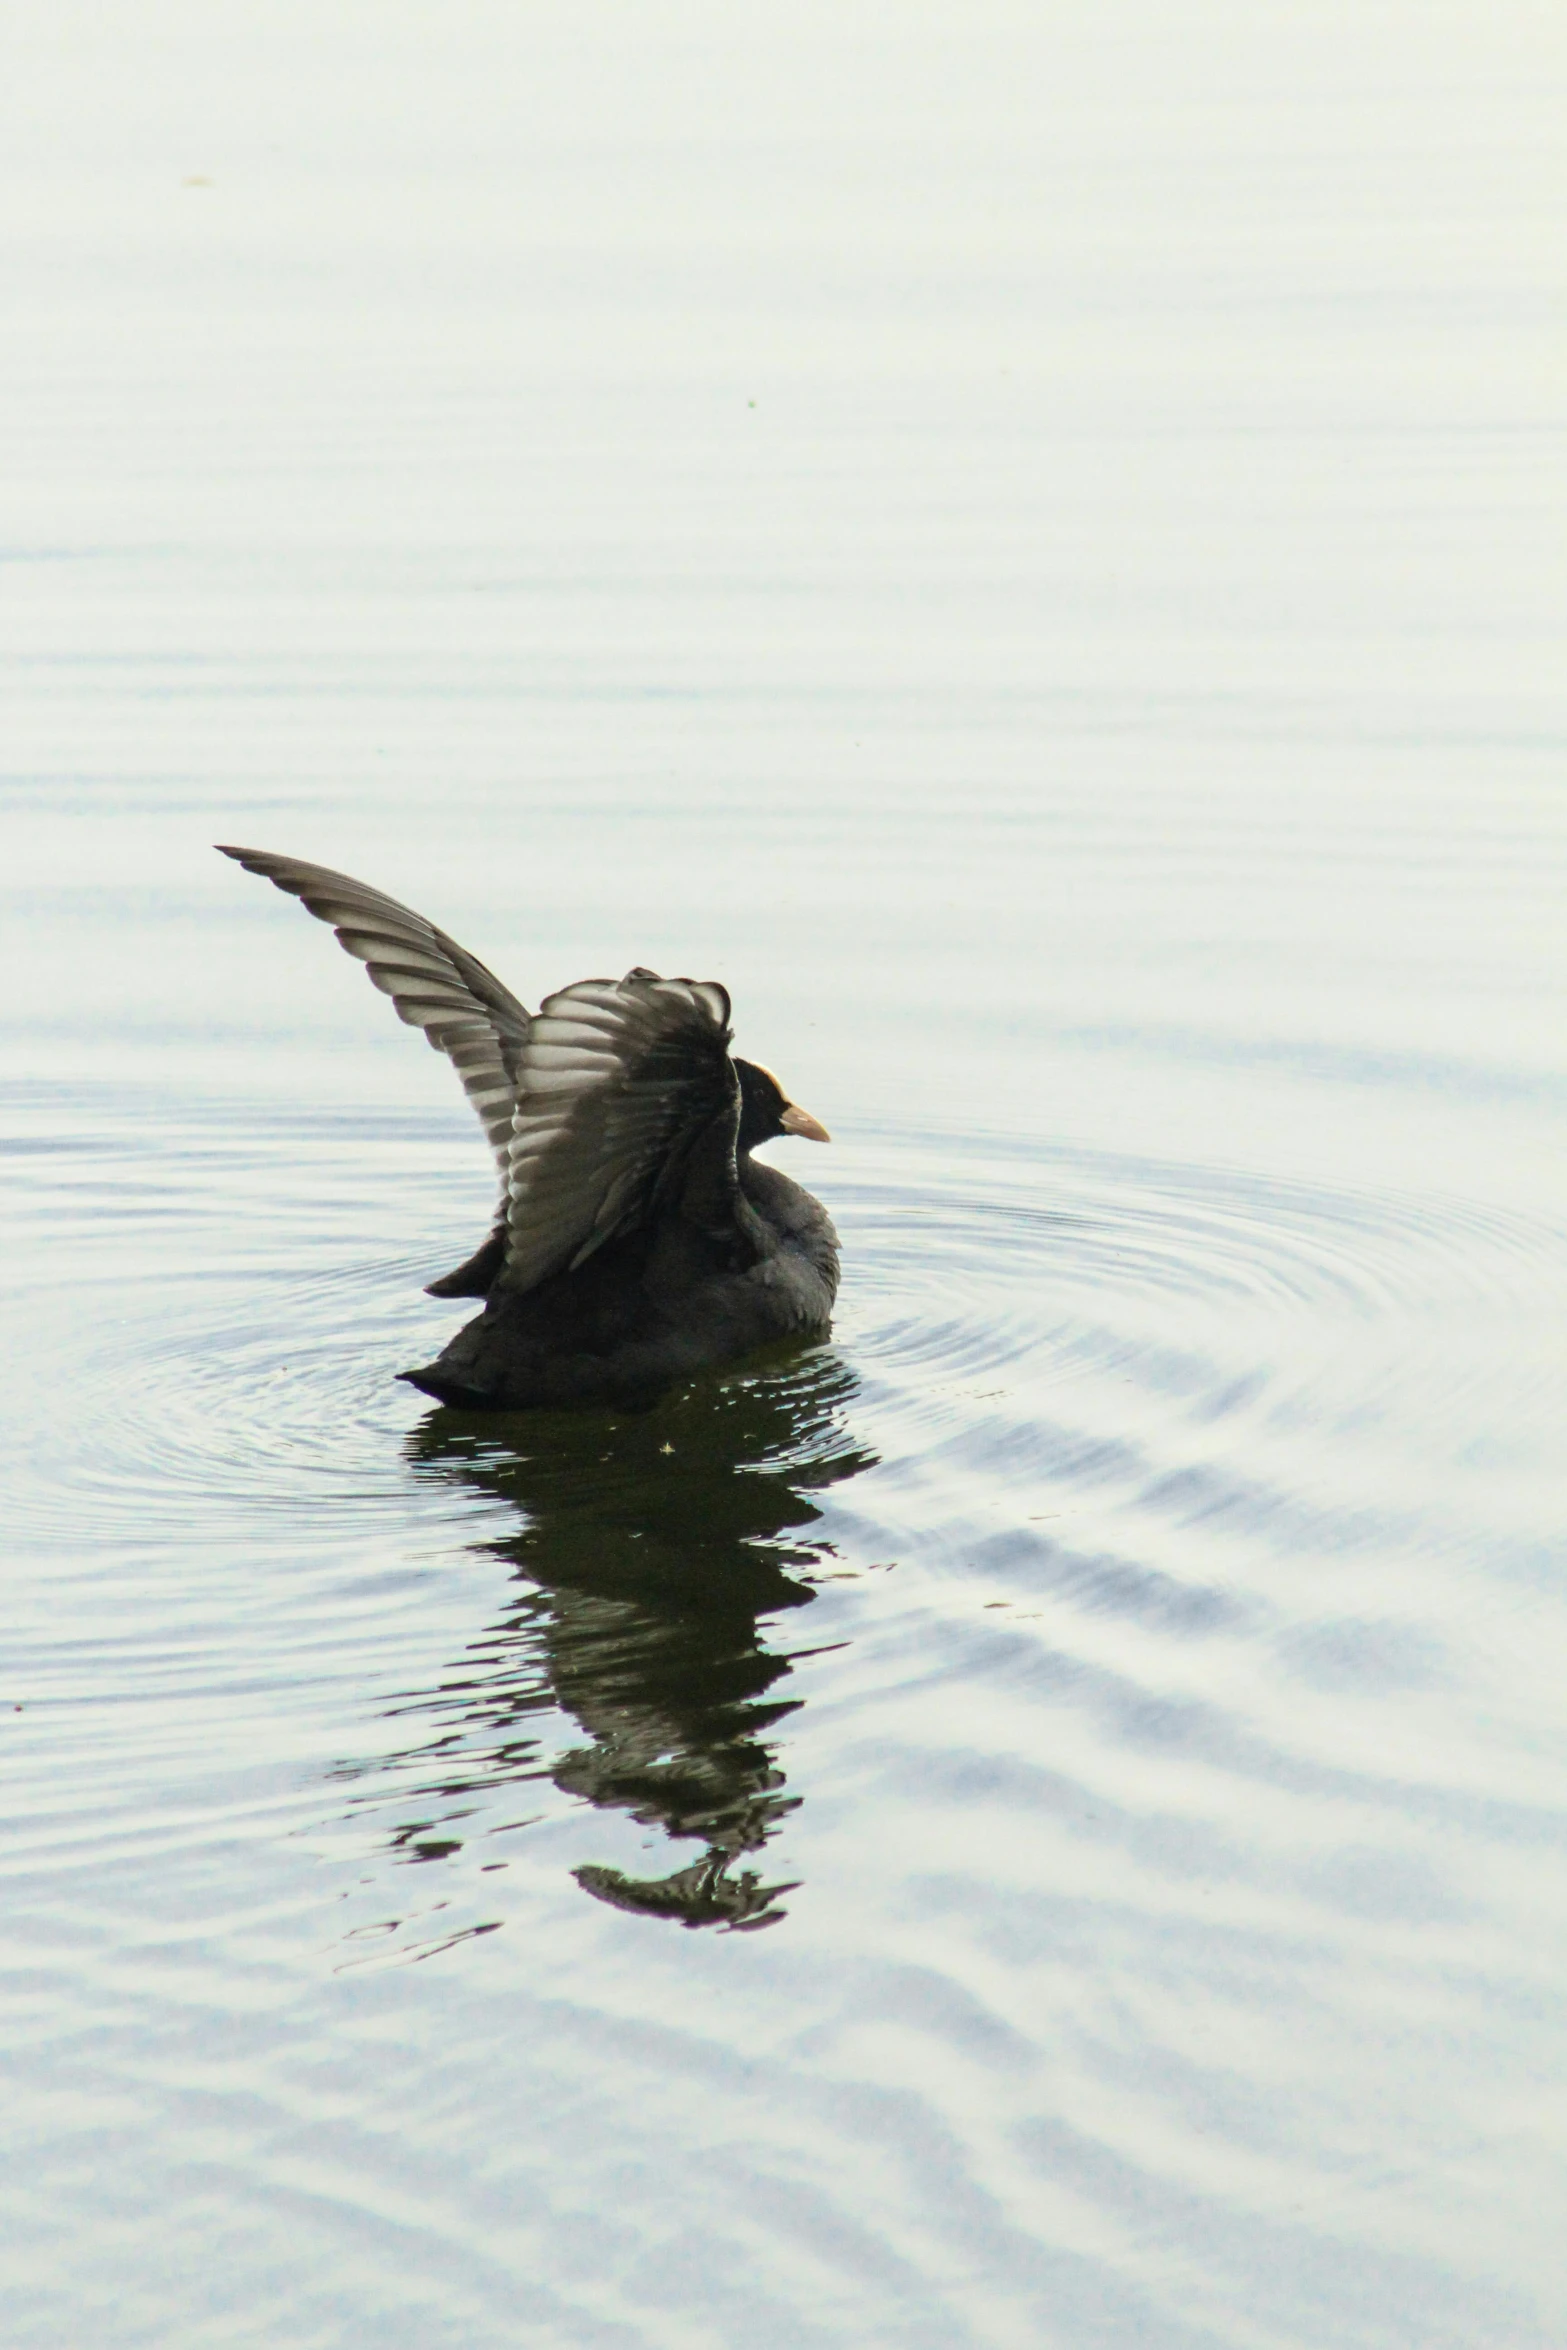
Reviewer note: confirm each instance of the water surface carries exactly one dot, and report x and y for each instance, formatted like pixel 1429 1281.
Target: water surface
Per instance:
pixel 1024 548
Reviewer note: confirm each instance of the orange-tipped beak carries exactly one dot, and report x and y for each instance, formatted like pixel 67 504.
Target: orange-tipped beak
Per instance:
pixel 802 1123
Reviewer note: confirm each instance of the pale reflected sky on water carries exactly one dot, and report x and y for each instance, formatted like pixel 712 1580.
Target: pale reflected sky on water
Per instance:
pixel 1027 542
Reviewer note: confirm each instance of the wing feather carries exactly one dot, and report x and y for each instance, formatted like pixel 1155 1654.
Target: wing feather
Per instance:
pixel 434 984
pixel 617 1081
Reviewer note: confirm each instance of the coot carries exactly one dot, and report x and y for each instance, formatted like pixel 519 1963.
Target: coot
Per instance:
pixel 636 1239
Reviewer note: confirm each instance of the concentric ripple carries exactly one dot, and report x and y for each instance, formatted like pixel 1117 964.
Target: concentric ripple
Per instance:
pixel 1138 1298
pixel 1105 1621
pixel 1174 1311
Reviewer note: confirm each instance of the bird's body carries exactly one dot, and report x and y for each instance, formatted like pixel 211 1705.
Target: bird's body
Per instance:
pixel 637 1240
pixel 649 1307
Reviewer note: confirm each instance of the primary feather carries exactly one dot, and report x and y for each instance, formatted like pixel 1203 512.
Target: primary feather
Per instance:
pixel 434 983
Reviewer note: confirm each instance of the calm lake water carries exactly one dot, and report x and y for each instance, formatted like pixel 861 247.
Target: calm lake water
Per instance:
pixel 1026 542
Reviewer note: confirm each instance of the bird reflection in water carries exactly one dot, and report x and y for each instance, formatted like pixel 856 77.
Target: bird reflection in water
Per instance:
pixel 652 1549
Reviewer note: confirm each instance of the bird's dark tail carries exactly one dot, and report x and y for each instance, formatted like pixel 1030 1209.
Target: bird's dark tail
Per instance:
pixel 430 1379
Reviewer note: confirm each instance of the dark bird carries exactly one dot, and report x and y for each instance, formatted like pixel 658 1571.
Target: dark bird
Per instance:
pixel 637 1240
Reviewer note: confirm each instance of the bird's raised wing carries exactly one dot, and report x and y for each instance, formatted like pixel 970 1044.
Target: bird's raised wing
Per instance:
pixel 435 984
pixel 618 1081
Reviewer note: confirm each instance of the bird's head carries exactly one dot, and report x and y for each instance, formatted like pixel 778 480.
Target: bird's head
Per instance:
pixel 767 1111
